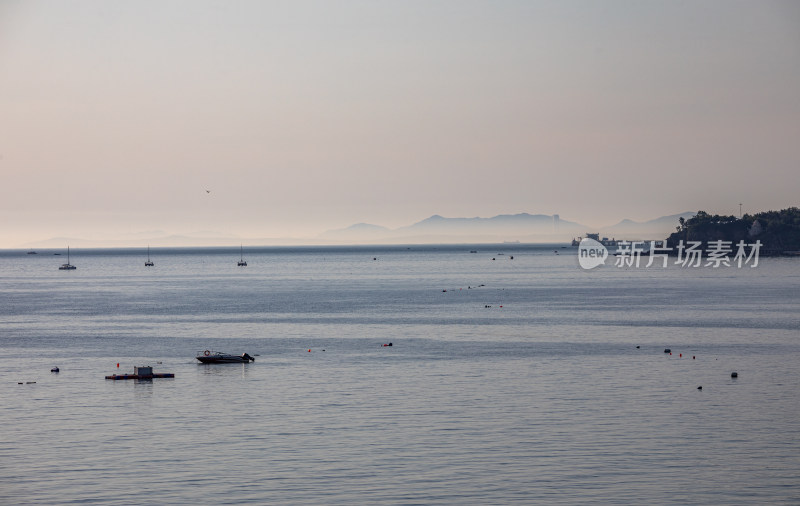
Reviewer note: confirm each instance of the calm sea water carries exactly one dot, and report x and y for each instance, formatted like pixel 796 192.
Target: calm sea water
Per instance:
pixel 509 381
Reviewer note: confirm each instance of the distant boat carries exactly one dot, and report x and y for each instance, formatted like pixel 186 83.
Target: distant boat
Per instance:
pixel 148 263
pixel 67 266
pixel 241 262
pixel 215 357
pixel 32 253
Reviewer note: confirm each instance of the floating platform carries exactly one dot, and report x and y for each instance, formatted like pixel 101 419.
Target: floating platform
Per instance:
pixel 140 376
pixel 141 373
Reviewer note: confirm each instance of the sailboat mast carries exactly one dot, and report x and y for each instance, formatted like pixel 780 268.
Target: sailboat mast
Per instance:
pixel 148 263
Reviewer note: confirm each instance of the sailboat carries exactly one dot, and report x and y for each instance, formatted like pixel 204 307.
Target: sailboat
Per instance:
pixel 67 266
pixel 241 262
pixel 148 263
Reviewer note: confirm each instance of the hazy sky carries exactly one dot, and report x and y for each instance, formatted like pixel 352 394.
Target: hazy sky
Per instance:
pixel 301 116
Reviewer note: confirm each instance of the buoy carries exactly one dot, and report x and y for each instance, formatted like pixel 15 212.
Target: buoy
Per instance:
pixel 637 347
pixel 692 357
pixel 700 387
pixel 734 374
pixel 117 365
pixel 680 355
pixel 309 350
pixel 667 350
pixel 54 369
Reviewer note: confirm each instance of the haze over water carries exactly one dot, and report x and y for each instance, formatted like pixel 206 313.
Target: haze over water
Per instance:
pixel 543 397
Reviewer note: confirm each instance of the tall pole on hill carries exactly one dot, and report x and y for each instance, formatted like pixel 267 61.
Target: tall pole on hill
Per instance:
pixel 740 210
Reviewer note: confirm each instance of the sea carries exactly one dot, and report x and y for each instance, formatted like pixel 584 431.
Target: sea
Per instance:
pixel 449 374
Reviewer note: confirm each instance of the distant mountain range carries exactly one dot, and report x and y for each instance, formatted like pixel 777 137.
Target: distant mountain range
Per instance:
pixel 522 227
pixel 663 226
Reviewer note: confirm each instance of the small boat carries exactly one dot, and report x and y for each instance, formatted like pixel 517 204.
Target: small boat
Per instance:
pixel 67 266
pixel 148 263
pixel 32 253
pixel 216 357
pixel 241 262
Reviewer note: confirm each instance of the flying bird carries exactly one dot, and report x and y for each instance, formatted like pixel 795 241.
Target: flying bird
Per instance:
pixel 208 191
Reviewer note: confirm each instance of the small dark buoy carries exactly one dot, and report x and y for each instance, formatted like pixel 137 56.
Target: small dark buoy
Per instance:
pixel 700 387
pixel 444 291
pixel 637 347
pixel 492 258
pixel 374 258
pixel 54 369
pixel 667 350
pixel 734 374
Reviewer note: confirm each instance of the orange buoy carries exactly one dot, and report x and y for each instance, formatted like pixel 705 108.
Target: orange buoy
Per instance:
pixel 117 365
pixel 309 350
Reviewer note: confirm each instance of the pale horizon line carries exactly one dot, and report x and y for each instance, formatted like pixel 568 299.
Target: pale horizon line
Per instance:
pixel 209 238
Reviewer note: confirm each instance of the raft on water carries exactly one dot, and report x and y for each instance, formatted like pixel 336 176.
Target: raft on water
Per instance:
pixel 141 373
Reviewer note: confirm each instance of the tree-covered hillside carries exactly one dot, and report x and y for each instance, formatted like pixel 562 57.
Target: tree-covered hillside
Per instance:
pixel 778 231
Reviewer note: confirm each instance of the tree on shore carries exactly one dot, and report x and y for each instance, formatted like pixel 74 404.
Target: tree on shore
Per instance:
pixel 777 230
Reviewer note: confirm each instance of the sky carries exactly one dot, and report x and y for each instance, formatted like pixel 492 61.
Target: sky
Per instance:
pixel 262 119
